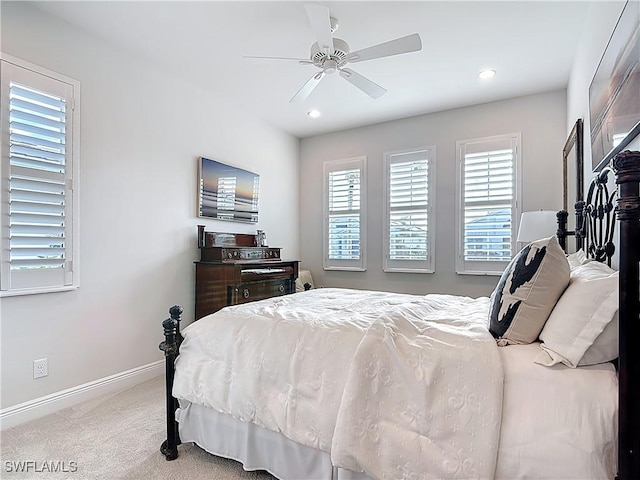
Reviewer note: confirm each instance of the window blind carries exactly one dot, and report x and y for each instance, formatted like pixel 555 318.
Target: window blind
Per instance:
pixel 344 229
pixel 488 209
pixel 344 215
pixel 488 202
pixel 408 201
pixel 38 199
pixel 37 186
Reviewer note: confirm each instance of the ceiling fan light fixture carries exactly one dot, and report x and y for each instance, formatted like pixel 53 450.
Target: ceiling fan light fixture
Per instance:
pixel 314 113
pixel 330 66
pixel 488 73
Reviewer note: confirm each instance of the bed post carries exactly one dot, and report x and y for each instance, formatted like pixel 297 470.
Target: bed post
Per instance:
pixel 561 233
pixel 579 232
pixel 171 347
pixel 627 169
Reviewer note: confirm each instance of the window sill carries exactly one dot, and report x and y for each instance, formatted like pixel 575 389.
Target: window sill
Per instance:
pixel 35 291
pixel 409 270
pixel 473 272
pixel 346 269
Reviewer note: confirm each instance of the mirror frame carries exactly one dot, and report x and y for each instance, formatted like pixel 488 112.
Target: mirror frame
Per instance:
pixel 574 143
pixel 575 140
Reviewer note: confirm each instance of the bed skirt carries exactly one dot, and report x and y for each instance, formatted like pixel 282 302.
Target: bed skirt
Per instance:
pixel 244 442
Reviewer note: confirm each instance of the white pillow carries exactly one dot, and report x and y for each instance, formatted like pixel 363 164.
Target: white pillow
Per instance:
pixel 581 329
pixel 527 292
pixel 576 259
pixel 605 346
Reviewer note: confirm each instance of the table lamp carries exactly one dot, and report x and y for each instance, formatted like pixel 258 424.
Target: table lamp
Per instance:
pixel 536 225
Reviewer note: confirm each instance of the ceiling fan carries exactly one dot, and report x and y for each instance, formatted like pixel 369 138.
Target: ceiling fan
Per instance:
pixel 331 54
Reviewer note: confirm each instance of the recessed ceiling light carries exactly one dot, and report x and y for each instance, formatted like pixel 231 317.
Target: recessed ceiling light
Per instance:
pixel 313 113
pixel 487 74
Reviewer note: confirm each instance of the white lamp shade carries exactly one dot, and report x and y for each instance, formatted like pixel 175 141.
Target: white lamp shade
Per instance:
pixel 537 225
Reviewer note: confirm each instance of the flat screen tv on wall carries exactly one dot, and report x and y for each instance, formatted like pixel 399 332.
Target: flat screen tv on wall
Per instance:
pixel 227 192
pixel 614 94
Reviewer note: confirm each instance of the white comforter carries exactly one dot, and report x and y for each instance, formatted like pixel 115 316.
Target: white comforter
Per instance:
pixel 397 386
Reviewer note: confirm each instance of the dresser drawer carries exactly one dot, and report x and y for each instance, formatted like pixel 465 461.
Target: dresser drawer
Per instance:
pixel 219 284
pixel 251 291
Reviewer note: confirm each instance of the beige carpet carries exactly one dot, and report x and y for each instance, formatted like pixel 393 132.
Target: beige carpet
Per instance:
pixel 115 436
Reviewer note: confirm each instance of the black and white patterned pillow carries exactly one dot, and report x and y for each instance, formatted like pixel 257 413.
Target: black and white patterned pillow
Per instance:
pixel 528 290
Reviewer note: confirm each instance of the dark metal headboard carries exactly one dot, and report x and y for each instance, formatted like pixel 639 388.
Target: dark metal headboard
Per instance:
pixel 599 218
pixel 595 220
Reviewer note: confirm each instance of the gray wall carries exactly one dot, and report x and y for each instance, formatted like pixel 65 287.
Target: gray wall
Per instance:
pixel 142 131
pixel 541 119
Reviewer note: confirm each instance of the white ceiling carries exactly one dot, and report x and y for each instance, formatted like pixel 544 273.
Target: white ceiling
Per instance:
pixel 531 45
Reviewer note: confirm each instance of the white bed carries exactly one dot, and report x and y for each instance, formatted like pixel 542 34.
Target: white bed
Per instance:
pixel 277 386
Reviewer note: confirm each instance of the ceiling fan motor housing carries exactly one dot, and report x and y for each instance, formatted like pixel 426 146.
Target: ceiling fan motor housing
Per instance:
pixel 330 62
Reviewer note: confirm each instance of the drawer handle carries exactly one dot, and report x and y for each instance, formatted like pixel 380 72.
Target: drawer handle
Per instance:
pixel 245 293
pixel 281 288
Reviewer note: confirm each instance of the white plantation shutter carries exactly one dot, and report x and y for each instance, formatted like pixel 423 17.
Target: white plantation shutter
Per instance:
pixel 408 239
pixel 344 214
pixel 37 181
pixel 488 199
pixel 488 195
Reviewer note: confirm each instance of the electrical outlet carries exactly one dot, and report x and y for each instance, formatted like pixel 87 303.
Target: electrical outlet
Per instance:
pixel 40 368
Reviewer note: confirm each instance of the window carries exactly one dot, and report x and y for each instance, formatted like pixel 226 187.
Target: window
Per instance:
pixel 344 225
pixel 38 166
pixel 408 215
pixel 488 196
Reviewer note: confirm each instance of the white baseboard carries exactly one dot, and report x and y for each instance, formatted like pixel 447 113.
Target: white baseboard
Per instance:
pixel 23 412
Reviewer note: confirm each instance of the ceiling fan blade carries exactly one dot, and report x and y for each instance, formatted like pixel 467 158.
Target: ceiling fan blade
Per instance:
pixel 410 43
pixel 321 25
pixel 363 83
pixel 302 61
pixel 307 88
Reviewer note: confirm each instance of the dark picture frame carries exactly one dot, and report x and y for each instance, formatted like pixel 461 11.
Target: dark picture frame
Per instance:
pixel 614 93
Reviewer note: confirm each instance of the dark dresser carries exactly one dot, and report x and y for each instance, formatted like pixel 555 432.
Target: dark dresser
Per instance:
pixel 233 269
